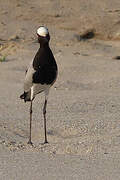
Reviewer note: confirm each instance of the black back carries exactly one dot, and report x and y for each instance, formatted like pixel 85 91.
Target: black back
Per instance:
pixel 44 64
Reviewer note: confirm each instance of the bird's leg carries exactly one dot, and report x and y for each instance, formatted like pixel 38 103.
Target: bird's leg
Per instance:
pixel 44 114
pixel 30 142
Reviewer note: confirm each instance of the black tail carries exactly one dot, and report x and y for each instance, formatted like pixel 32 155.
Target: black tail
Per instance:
pixel 25 96
pixel 22 96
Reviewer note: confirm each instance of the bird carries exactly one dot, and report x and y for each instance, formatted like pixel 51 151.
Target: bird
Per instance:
pixel 40 75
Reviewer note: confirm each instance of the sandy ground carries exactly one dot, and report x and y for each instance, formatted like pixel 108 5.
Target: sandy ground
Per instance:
pixel 83 113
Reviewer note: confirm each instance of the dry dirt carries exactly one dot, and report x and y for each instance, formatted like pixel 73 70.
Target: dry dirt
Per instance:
pixel 83 113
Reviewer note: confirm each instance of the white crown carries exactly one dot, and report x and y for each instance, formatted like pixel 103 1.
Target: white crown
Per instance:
pixel 42 31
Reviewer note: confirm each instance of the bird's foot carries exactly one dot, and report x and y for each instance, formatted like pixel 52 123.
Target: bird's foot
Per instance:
pixel 46 142
pixel 29 142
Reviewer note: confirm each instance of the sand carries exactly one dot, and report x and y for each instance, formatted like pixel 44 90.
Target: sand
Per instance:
pixel 83 113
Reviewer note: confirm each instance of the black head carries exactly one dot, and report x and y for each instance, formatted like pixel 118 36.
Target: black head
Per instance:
pixel 43 35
